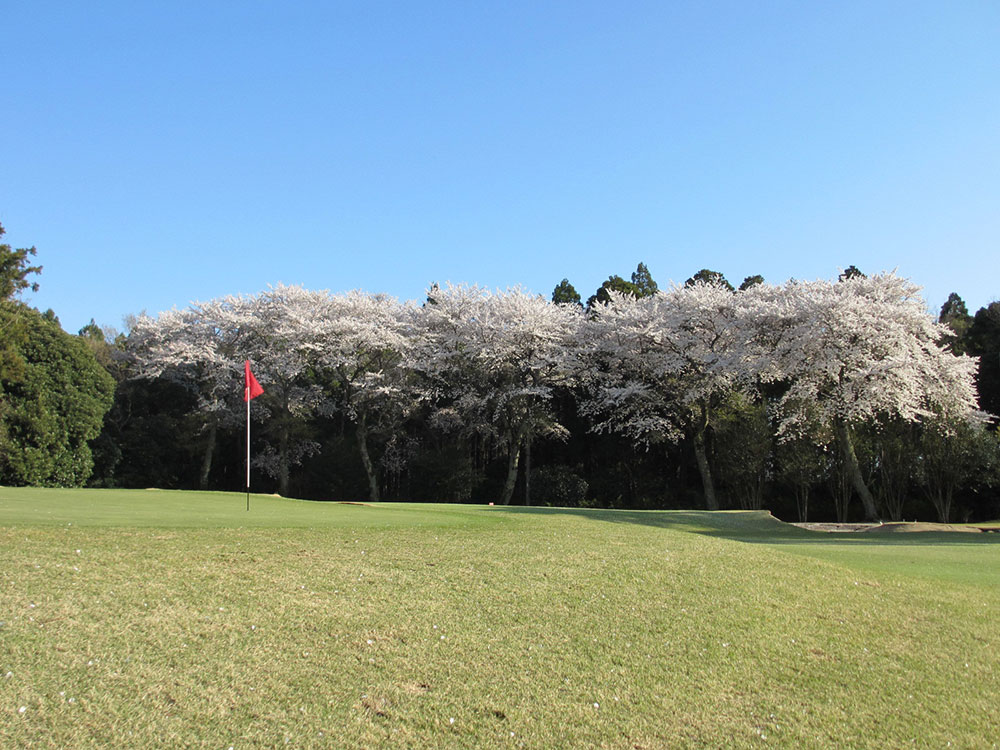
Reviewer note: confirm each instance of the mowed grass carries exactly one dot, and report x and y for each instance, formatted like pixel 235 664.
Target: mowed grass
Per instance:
pixel 166 619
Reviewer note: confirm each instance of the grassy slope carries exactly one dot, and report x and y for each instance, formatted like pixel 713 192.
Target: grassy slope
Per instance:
pixel 178 618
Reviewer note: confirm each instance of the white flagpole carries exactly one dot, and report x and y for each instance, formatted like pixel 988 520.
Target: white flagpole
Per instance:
pixel 246 394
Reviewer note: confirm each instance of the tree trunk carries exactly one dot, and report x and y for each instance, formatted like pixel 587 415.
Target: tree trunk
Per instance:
pixel 711 503
pixel 527 470
pixel 362 432
pixel 513 459
pixel 701 454
pixel 283 436
pixel 842 490
pixel 802 498
pixel 283 471
pixel 850 459
pixel 942 504
pixel 206 461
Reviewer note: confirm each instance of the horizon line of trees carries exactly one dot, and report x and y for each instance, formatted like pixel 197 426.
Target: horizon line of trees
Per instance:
pixel 840 399
pixel 743 394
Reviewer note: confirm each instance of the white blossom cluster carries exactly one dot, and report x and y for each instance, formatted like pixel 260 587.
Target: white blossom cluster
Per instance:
pixel 856 350
pixel 489 363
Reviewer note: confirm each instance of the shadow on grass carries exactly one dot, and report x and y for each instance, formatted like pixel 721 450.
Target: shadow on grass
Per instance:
pixel 755 527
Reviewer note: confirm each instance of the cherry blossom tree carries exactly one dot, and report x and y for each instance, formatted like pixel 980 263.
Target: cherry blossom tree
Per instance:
pixel 855 351
pixel 490 363
pixel 830 356
pixel 191 349
pixel 658 366
pixel 313 351
pixel 359 347
pixel 279 331
pixel 206 345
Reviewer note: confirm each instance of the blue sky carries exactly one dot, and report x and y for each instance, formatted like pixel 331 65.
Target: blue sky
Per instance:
pixel 159 153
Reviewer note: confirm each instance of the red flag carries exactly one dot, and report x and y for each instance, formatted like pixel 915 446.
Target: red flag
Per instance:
pixel 252 388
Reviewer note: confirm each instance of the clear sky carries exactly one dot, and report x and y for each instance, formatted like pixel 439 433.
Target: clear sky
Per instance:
pixel 158 153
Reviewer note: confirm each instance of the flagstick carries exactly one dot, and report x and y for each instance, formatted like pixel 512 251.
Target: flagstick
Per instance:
pixel 248 447
pixel 251 390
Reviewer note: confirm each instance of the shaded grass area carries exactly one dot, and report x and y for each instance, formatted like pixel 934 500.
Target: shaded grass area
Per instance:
pixel 948 557
pixel 321 625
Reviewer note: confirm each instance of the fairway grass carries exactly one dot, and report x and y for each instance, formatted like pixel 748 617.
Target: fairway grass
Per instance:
pixel 168 619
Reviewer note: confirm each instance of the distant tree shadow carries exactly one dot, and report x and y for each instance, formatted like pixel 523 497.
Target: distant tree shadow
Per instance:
pixel 754 527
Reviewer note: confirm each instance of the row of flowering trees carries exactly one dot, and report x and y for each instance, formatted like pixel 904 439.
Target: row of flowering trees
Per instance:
pixel 797 366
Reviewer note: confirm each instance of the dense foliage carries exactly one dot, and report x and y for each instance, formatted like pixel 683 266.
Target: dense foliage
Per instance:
pixel 53 391
pixel 51 403
pixel 803 398
pixel 839 399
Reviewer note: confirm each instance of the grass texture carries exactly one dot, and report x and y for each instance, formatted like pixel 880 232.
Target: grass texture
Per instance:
pixel 170 619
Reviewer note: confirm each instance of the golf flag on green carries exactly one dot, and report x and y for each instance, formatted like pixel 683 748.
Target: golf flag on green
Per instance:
pixel 251 390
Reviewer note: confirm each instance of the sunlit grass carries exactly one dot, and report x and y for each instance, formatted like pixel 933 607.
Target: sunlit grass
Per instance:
pixel 178 619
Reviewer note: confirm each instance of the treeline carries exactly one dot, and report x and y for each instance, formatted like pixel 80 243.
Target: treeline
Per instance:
pixel 822 400
pixel 53 392
pixel 826 400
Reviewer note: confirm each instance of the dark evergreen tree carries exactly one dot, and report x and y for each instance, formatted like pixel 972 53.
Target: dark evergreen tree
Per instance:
pixel 644 281
pixel 751 281
pixel 710 277
pixel 150 438
pixel 14 270
pixel 851 272
pixel 53 393
pixel 613 284
pixel 956 316
pixel 53 405
pixel 984 342
pixel 641 285
pixel 566 294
